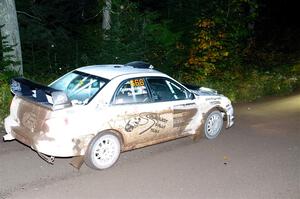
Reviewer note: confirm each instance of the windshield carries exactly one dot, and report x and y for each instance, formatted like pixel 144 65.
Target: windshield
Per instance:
pixel 79 87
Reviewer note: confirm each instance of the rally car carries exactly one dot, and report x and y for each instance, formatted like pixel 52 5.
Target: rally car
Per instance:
pixel 95 112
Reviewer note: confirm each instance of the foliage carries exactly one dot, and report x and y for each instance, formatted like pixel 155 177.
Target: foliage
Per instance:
pixel 5 94
pixel 50 31
pixel 163 44
pixel 220 40
pixel 136 36
pixel 54 42
pixel 209 50
pixel 206 42
pixel 255 84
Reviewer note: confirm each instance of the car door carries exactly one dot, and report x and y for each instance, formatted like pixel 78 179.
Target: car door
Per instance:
pixel 140 120
pixel 181 101
pixel 152 110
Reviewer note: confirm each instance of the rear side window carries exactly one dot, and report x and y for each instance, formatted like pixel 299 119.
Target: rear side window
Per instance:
pixel 79 87
pixel 132 91
pixel 163 89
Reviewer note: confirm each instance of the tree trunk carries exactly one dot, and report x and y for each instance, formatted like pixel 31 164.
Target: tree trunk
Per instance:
pixel 106 21
pixel 10 31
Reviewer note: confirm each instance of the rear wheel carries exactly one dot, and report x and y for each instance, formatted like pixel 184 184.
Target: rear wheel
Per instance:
pixel 103 151
pixel 213 124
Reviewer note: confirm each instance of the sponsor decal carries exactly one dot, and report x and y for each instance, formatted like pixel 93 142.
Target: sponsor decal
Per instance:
pixel 215 102
pixel 152 121
pixel 213 98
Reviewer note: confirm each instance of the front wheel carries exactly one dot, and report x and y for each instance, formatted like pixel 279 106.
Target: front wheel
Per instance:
pixel 103 151
pixel 213 124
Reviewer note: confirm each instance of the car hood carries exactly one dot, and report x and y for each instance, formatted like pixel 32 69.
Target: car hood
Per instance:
pixel 203 91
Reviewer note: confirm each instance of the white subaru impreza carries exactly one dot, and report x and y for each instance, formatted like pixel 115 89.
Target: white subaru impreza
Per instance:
pixel 95 112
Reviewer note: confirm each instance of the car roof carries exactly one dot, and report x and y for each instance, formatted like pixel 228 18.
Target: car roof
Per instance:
pixel 110 71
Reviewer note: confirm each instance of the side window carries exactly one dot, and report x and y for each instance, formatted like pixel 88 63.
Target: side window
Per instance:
pixel 166 90
pixel 178 92
pixel 132 91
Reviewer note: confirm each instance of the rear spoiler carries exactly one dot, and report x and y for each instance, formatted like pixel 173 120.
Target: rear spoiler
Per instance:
pixel 43 95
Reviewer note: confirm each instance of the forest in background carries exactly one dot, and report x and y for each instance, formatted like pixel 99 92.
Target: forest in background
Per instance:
pixel 246 49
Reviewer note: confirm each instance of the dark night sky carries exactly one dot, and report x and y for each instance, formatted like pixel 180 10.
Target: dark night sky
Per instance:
pixel 280 13
pixel 278 23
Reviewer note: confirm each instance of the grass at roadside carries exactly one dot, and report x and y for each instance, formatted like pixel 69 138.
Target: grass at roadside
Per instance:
pixel 254 85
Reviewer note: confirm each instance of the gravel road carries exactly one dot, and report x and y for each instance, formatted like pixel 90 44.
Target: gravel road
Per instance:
pixel 259 157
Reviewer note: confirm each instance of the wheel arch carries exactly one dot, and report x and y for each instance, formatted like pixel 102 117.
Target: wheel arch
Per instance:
pixel 221 109
pixel 199 133
pixel 117 133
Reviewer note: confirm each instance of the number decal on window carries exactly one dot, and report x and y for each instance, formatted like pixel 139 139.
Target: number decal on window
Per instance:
pixel 137 82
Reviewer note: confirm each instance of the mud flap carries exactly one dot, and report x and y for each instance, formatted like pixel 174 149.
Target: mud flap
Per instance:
pixel 199 131
pixel 199 134
pixel 77 161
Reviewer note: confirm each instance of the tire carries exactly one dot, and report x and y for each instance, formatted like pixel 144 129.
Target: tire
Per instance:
pixel 213 124
pixel 103 151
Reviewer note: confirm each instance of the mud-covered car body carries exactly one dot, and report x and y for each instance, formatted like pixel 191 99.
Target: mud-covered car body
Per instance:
pixel 141 106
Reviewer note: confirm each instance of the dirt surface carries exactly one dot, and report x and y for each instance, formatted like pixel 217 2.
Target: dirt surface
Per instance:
pixel 259 157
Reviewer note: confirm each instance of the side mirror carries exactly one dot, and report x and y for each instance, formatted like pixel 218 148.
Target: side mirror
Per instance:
pixel 192 96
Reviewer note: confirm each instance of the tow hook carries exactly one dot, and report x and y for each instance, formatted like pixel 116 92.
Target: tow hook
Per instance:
pixel 48 159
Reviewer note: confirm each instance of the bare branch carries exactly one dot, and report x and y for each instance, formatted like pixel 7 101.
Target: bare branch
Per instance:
pixel 29 15
pixel 96 15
